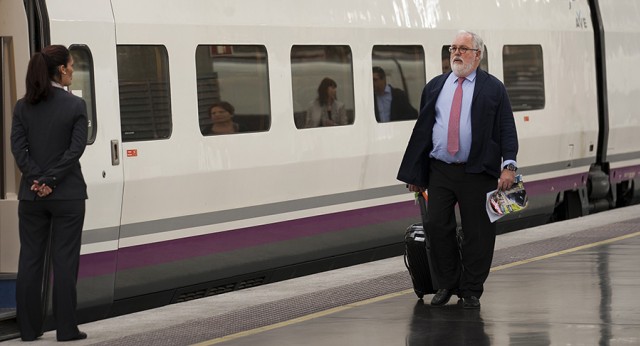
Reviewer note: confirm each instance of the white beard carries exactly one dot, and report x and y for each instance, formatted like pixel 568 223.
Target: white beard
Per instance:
pixel 460 69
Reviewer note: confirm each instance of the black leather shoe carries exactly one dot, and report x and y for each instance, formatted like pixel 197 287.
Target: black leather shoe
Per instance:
pixel 442 297
pixel 80 336
pixel 471 303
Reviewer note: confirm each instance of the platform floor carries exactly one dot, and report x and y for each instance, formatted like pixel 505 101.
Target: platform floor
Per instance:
pixel 589 297
pixel 571 283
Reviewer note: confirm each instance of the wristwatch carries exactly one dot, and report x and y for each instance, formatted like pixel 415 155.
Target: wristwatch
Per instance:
pixel 511 167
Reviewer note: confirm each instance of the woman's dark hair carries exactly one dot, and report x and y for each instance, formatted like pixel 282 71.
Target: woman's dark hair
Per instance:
pixel 42 69
pixel 224 105
pixel 323 93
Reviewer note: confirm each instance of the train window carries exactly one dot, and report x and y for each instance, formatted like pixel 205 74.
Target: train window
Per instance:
pixel 233 89
pixel 83 85
pixel 524 76
pixel 446 62
pixel 322 82
pixel 145 95
pixel 398 79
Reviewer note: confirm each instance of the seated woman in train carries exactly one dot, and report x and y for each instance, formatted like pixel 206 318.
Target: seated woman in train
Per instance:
pixel 326 110
pixel 221 114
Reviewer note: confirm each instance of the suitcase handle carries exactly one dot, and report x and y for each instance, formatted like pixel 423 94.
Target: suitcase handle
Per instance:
pixel 423 207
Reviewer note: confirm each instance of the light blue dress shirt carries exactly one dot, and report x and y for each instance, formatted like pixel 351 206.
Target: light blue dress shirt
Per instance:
pixel 441 127
pixel 384 104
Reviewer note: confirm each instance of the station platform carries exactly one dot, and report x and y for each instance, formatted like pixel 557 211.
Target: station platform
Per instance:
pixel 574 282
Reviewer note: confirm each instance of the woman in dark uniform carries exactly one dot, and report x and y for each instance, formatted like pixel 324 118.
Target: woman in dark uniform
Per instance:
pixel 48 136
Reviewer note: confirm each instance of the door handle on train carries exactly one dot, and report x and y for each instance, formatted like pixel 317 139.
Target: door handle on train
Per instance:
pixel 115 152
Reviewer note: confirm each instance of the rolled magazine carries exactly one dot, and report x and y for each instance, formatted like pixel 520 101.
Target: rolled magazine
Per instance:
pixel 513 200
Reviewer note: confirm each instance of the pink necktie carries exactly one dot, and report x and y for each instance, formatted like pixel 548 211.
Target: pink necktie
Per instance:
pixel 453 137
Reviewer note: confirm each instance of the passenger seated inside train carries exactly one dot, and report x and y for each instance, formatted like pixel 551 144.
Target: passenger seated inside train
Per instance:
pixel 391 104
pixel 222 123
pixel 326 110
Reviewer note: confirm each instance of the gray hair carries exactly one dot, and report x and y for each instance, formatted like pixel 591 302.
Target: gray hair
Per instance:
pixel 477 41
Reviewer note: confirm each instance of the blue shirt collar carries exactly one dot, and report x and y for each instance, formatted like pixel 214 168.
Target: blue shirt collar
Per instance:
pixel 471 77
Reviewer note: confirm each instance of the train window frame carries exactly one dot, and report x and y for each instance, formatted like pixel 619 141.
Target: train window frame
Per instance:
pixel 512 80
pixel 241 123
pixel 446 59
pixel 381 53
pixel 305 112
pixel 89 99
pixel 155 116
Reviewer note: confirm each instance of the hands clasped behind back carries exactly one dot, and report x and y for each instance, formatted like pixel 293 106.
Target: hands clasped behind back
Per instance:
pixel 42 190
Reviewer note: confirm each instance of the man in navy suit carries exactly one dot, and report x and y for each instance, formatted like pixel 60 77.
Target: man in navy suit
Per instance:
pixel 390 104
pixel 464 144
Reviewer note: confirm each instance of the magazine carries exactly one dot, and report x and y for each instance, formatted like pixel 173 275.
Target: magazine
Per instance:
pixel 501 203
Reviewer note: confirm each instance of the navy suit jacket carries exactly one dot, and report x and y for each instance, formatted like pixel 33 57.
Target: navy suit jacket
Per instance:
pixel 401 108
pixel 47 140
pixel 493 131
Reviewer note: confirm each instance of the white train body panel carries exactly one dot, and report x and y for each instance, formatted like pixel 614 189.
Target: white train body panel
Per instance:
pixel 91 24
pixel 623 54
pixel 189 174
pixel 284 163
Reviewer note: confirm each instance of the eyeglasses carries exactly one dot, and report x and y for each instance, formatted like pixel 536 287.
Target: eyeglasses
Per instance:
pixel 462 50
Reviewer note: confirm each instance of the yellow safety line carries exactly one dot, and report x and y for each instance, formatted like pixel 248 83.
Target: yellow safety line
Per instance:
pixel 582 247
pixel 302 318
pixel 393 295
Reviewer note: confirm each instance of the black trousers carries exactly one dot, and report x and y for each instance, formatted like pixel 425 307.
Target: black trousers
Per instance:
pixel 448 185
pixel 63 220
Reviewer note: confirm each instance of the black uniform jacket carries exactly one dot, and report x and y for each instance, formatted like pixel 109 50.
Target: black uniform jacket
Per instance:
pixel 493 131
pixel 47 140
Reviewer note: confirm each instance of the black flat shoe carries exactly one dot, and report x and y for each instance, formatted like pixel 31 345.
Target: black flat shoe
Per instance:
pixel 442 297
pixel 471 303
pixel 80 336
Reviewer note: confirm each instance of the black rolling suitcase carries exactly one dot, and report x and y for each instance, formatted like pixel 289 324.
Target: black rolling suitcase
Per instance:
pixel 416 255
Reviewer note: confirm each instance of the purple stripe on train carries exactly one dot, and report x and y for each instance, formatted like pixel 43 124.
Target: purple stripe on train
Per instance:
pixel 178 249
pixel 542 187
pixel 617 175
pixel 173 250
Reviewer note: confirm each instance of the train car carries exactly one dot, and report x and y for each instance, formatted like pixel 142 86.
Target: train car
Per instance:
pixel 177 212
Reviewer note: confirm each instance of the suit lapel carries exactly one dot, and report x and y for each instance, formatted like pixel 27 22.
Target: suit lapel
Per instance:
pixel 476 113
pixel 481 79
pixel 441 82
pixel 435 92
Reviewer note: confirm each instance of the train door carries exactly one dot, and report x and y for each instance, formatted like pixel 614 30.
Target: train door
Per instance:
pixel 89 32
pixel 14 56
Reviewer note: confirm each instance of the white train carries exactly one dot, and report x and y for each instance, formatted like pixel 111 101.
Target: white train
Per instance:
pixel 175 214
